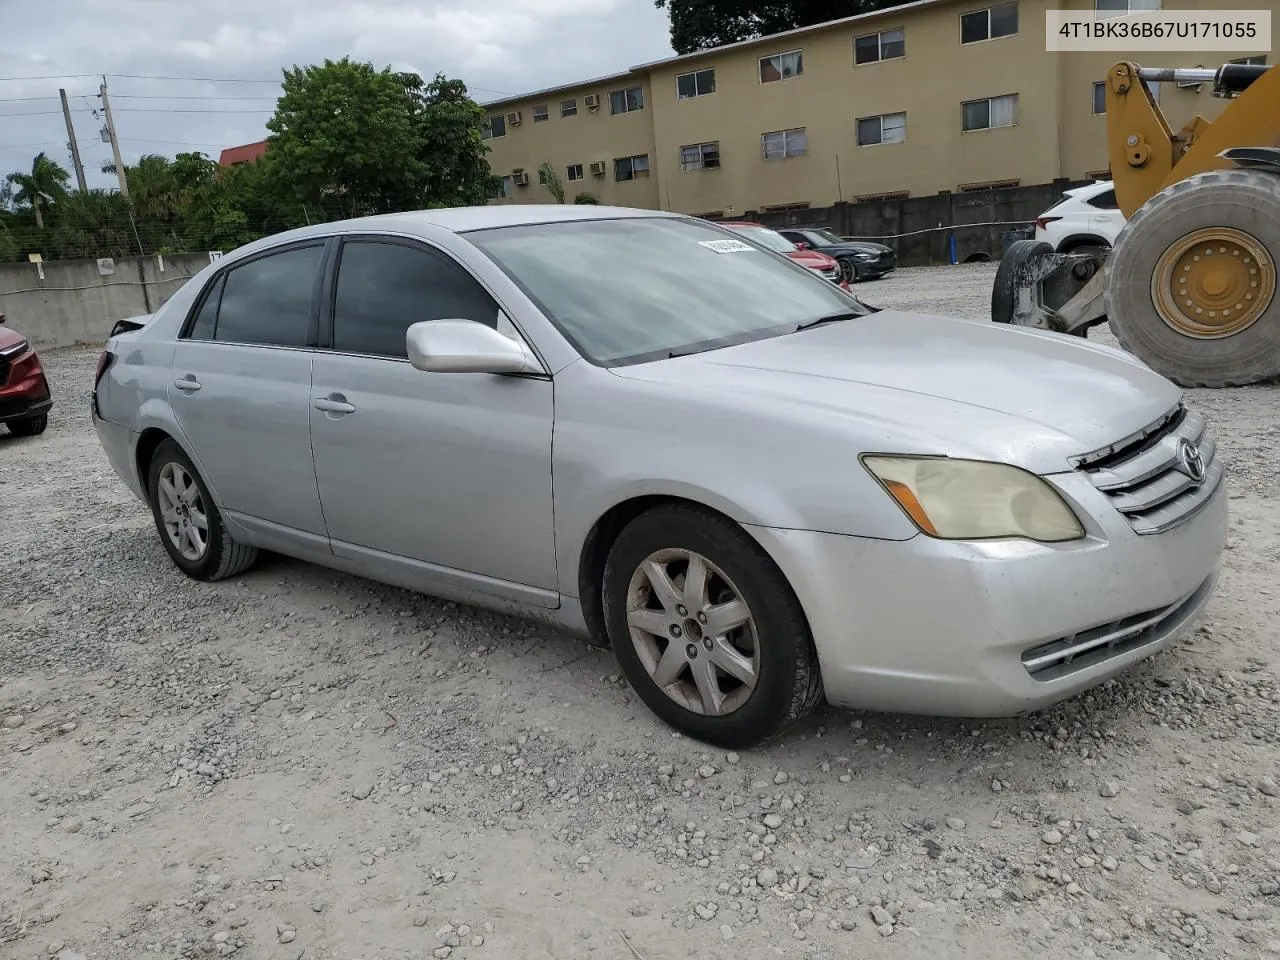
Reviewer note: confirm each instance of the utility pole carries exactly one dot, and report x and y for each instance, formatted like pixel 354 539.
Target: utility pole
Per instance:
pixel 71 142
pixel 115 144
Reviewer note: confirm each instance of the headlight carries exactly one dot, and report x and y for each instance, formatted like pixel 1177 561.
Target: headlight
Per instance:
pixel 975 500
pixel 865 256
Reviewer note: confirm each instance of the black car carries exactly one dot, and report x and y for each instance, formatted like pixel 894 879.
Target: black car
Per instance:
pixel 858 259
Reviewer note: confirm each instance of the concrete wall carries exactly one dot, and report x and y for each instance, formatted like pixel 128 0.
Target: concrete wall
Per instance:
pixel 76 302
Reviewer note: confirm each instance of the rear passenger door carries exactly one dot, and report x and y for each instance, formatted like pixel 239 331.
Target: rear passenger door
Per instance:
pixel 447 469
pixel 241 387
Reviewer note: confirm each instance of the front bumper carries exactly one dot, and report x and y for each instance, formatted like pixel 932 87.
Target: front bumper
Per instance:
pixel 24 390
pixel 925 626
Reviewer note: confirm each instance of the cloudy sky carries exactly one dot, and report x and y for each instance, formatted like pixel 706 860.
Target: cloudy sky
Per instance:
pixel 498 47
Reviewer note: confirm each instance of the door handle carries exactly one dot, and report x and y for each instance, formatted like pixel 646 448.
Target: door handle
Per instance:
pixel 334 403
pixel 188 383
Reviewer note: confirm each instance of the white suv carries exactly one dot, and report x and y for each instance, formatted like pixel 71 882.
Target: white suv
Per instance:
pixel 1084 217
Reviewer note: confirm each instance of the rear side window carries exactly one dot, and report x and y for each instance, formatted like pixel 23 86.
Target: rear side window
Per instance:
pixel 207 318
pixel 1105 201
pixel 266 301
pixel 384 288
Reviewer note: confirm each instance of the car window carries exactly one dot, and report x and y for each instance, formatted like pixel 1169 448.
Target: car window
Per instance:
pixel 384 288
pixel 207 318
pixel 685 287
pixel 269 301
pixel 827 236
pixel 767 238
pixel 1105 201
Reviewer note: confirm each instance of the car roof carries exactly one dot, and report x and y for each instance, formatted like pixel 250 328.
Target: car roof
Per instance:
pixel 462 220
pixel 1091 189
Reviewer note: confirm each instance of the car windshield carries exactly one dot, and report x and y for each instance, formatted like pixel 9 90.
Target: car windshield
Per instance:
pixel 638 289
pixel 766 238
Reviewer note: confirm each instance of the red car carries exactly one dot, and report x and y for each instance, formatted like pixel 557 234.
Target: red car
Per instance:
pixel 812 259
pixel 24 392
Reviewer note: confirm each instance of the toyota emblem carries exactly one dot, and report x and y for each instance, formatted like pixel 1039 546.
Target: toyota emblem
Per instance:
pixel 1191 461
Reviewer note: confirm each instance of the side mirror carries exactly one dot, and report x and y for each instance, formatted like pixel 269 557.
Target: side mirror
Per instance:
pixel 463 346
pixel 801 245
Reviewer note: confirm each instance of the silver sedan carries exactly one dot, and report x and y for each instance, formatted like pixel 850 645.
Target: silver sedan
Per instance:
pixel 756 489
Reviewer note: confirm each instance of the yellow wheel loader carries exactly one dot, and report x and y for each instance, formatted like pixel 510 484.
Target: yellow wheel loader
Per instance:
pixel 1190 285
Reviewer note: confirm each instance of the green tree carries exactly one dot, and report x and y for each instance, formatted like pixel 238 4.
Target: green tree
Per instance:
pixel 93 223
pixel 40 189
pixel 454 158
pixel 701 24
pixel 344 132
pixel 549 178
pixel 8 243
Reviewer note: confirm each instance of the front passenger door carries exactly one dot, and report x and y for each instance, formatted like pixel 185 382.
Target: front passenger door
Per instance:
pixel 448 469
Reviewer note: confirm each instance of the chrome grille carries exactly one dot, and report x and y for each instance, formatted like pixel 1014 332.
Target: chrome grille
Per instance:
pixel 1080 651
pixel 1162 476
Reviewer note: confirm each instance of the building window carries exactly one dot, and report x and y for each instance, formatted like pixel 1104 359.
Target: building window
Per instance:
pixel 574 171
pixel 626 101
pixel 631 168
pixel 889 128
pixel 1099 98
pixel 493 127
pixel 874 47
pixel 784 66
pixel 1251 61
pixel 541 113
pixel 993 112
pixel 697 84
pixel 700 156
pixel 781 144
pixel 883 197
pixel 989 24
pixel 1118 8
pixel 568 108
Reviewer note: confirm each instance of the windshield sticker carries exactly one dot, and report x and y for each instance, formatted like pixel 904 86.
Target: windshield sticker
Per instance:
pixel 726 246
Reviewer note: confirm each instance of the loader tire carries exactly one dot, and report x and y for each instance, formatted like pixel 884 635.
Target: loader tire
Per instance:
pixel 1015 270
pixel 1191 287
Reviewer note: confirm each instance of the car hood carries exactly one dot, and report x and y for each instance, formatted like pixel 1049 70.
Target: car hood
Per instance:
pixel 912 383
pixel 812 259
pixel 9 337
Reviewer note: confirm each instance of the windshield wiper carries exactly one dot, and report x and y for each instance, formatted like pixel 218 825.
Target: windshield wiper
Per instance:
pixel 829 318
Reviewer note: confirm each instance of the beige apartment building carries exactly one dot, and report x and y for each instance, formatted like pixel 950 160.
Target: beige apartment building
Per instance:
pixel 935 95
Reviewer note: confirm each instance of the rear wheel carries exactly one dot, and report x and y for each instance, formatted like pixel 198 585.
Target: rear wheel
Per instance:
pixel 1192 284
pixel 707 629
pixel 188 521
pixel 1021 266
pixel 31 427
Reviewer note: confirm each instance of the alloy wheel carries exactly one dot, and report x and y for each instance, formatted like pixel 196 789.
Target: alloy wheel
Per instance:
pixel 694 633
pixel 182 511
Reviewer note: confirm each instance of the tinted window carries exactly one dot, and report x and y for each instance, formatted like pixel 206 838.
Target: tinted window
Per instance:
pixel 268 301
pixel 207 318
pixel 384 288
pixel 1106 201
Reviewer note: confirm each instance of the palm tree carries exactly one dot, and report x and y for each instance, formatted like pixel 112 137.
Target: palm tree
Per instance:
pixel 42 187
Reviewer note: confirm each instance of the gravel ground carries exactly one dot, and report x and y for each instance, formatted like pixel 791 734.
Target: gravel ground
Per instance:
pixel 298 763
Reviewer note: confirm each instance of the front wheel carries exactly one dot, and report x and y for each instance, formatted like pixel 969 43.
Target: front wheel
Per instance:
pixel 706 628
pixel 188 520
pixel 848 272
pixel 31 427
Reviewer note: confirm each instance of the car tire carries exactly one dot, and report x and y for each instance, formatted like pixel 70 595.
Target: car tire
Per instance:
pixel 209 553
pixel 30 427
pixel 848 270
pixel 764 636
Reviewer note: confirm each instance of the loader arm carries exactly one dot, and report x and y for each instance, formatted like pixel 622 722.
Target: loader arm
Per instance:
pixel 1146 156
